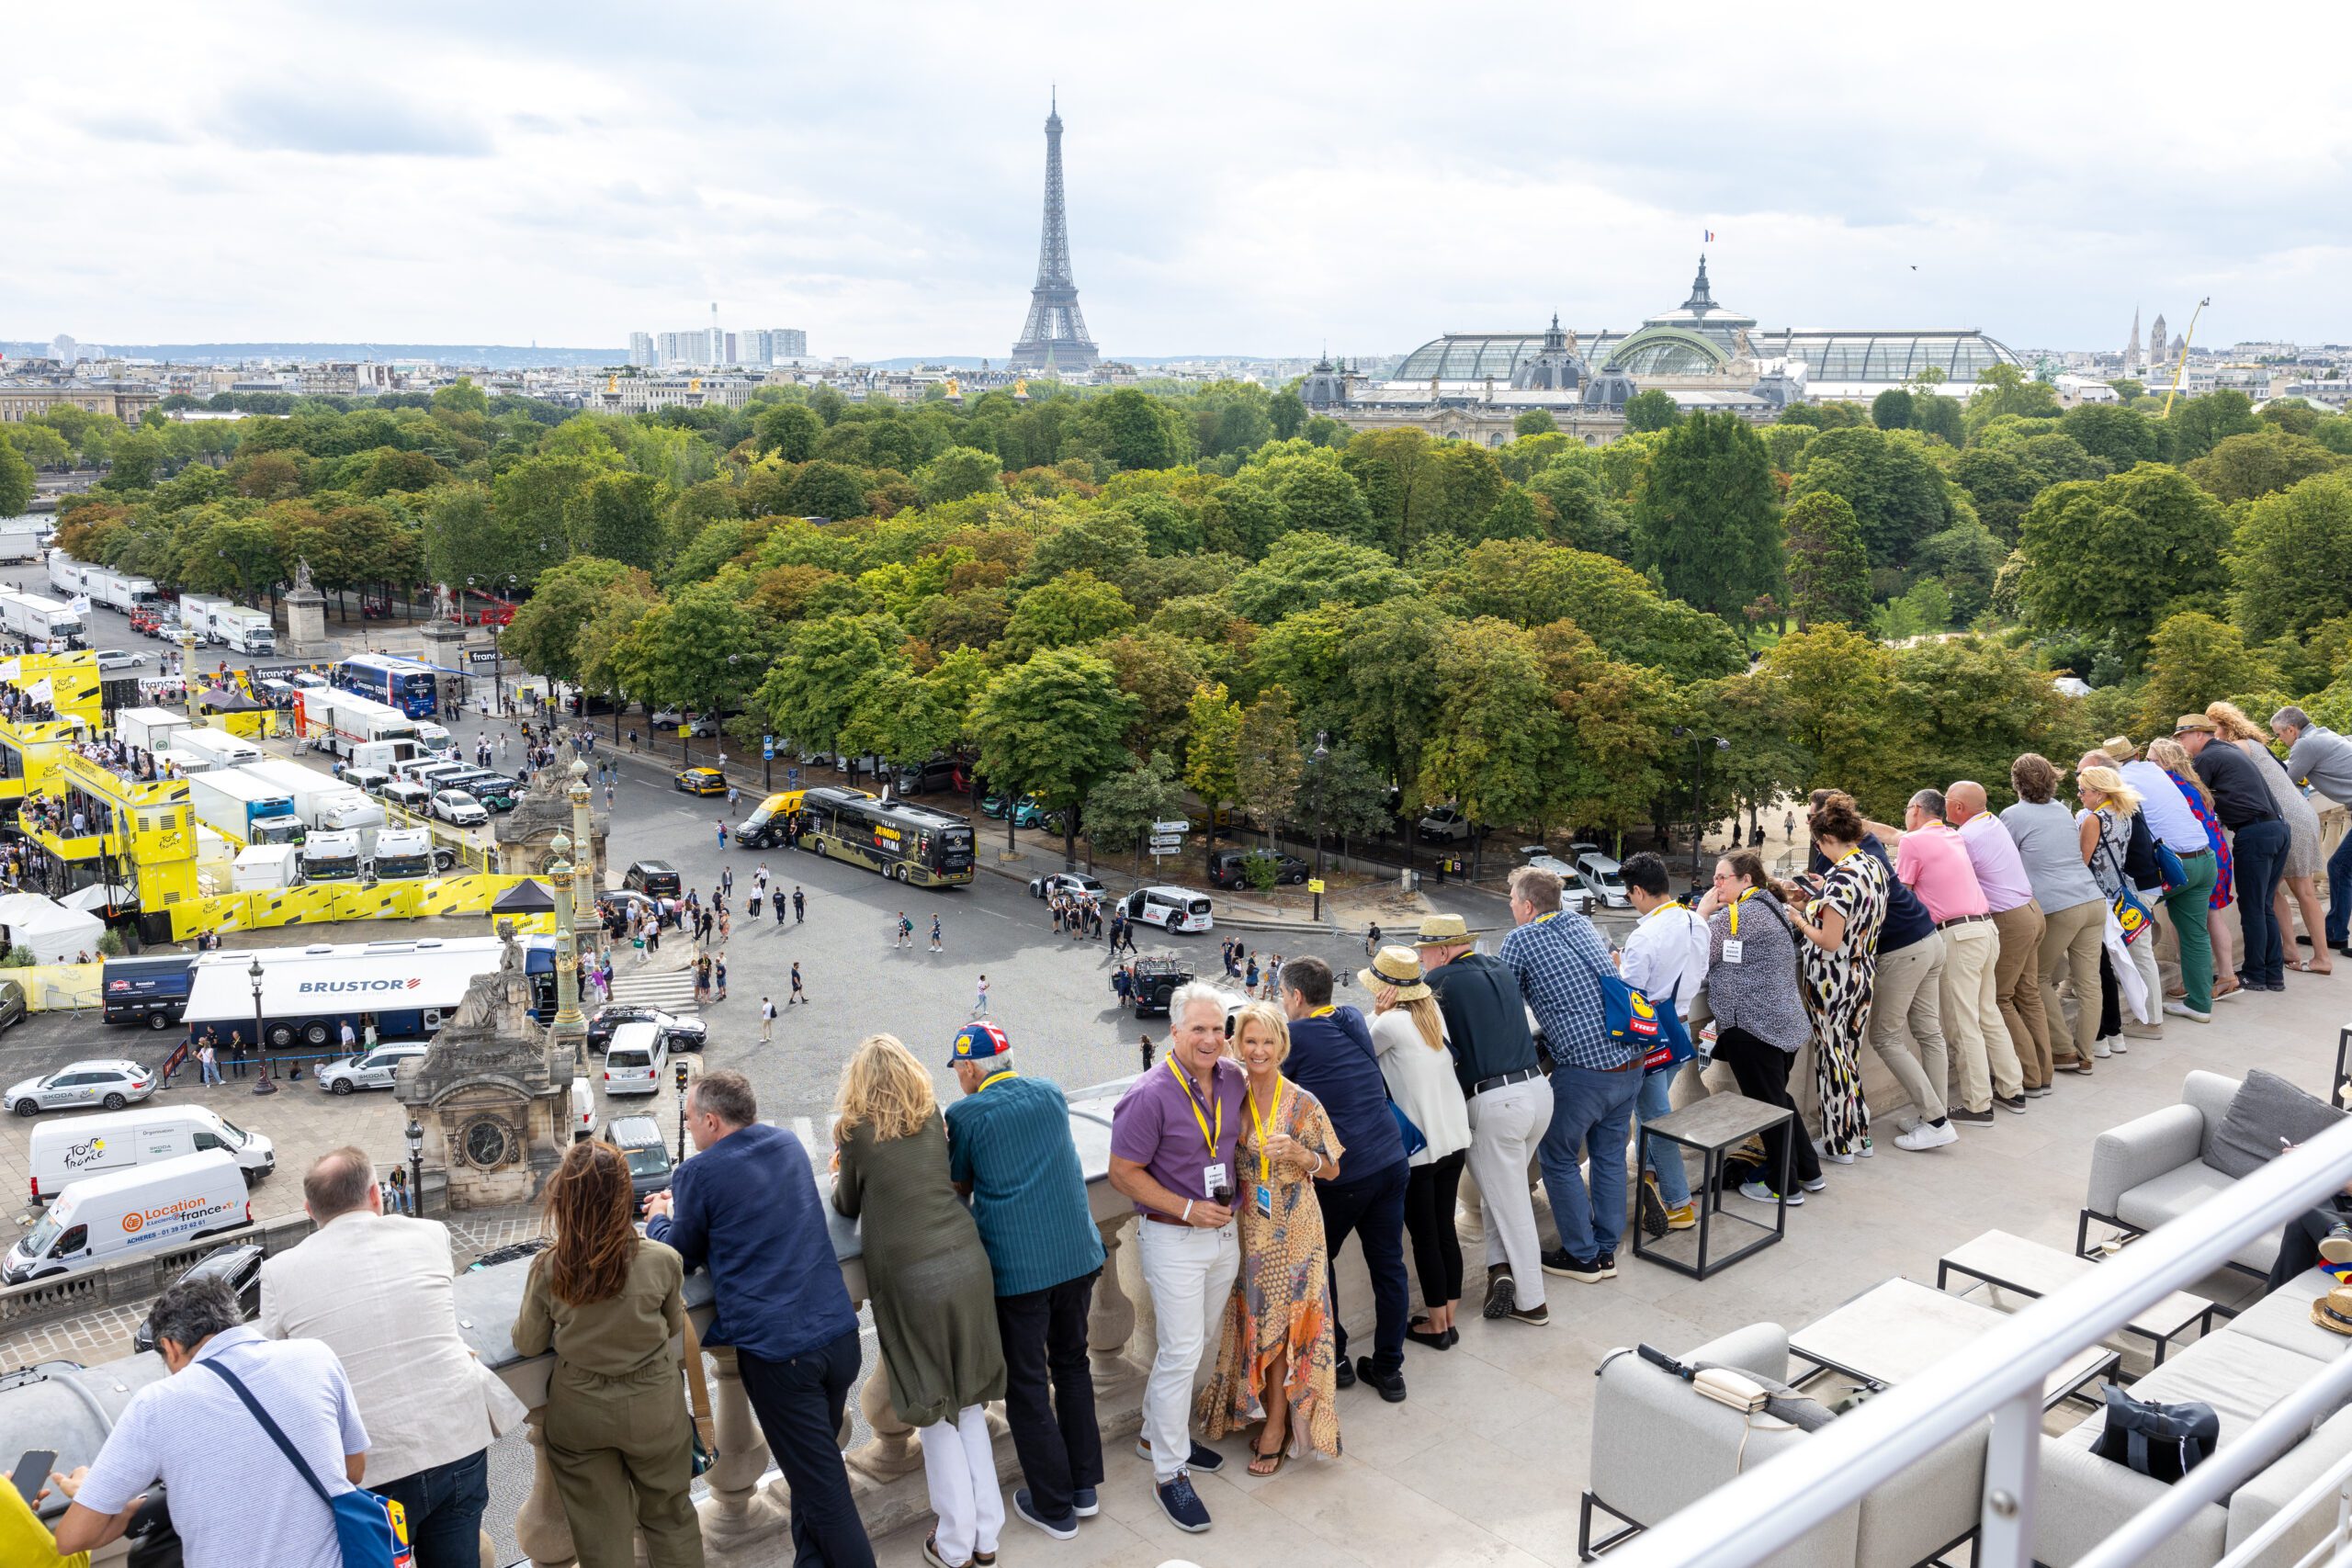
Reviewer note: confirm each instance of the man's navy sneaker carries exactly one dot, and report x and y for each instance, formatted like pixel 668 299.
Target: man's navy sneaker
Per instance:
pixel 1182 1505
pixel 1065 1529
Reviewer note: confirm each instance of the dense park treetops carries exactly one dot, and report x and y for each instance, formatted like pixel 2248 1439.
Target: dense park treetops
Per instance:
pixel 1119 594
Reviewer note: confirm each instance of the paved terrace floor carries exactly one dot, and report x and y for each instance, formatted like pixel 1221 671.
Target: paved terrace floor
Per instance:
pixel 1484 1463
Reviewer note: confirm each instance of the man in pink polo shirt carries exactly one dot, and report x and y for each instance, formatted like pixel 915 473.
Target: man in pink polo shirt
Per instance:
pixel 1934 861
pixel 2017 920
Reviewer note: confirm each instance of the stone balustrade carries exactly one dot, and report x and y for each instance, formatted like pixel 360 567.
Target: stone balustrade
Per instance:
pixel 744 1520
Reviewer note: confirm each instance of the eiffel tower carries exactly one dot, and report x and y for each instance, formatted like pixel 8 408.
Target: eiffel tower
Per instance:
pixel 1054 333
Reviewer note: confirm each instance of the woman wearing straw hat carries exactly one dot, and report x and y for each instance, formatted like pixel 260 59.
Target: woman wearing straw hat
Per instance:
pixel 1408 1036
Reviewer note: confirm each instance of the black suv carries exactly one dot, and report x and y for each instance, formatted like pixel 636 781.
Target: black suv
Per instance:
pixel 1226 868
pixel 655 879
pixel 638 1138
pixel 1156 981
pixel 927 778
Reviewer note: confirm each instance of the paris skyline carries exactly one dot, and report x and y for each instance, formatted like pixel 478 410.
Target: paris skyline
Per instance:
pixel 1256 187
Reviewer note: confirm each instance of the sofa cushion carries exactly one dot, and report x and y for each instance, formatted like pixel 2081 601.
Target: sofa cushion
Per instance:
pixel 2085 1499
pixel 2266 1109
pixel 2238 1375
pixel 2167 1197
pixel 2284 1318
pixel 2252 1504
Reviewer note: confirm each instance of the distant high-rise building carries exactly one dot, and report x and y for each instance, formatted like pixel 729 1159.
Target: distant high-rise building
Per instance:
pixel 682 351
pixel 790 343
pixel 732 356
pixel 61 348
pixel 641 350
pixel 1055 332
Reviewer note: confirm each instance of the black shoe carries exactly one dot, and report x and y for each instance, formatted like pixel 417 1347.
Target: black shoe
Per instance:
pixel 1203 1458
pixel 2012 1103
pixel 1976 1117
pixel 1560 1261
pixel 1539 1314
pixel 1651 1206
pixel 1502 1297
pixel 1390 1384
pixel 1343 1373
pixel 1436 1340
pixel 1607 1261
pixel 1084 1503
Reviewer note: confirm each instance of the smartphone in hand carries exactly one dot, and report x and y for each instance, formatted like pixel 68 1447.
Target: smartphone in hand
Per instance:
pixel 32 1473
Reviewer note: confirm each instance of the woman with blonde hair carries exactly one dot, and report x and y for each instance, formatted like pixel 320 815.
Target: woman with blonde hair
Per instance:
pixel 2121 853
pixel 606 1300
pixel 1275 1362
pixel 2049 846
pixel 930 1283
pixel 2299 877
pixel 1408 1037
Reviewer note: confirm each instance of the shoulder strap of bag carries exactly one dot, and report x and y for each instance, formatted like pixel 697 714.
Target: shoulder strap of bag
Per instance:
pixel 286 1447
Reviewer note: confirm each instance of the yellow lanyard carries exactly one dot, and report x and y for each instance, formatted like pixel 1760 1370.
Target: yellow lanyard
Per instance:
pixel 1273 1116
pixel 1735 909
pixel 999 1078
pixel 1213 1140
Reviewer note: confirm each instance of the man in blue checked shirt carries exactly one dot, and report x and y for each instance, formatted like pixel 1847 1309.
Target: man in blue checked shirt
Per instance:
pixel 1009 1151
pixel 1559 960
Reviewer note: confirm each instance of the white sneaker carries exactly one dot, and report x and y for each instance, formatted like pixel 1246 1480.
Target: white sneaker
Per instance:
pixel 2182 1009
pixel 1927 1135
pixel 2120 1046
pixel 2100 1048
pixel 1823 1150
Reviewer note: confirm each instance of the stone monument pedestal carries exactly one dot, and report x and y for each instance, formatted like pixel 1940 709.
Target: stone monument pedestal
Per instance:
pixel 306 619
pixel 445 650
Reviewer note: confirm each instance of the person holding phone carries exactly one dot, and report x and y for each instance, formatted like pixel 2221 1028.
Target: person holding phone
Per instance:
pixel 23 1537
pixel 1174 1141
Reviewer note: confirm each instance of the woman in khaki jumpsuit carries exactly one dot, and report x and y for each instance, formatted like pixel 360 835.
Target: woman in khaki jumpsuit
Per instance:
pixel 618 1437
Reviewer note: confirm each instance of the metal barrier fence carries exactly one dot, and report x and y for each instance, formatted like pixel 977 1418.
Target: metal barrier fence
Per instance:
pixel 2001 1375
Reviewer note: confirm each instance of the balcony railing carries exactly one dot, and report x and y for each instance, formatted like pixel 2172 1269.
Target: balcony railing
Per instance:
pixel 2002 1374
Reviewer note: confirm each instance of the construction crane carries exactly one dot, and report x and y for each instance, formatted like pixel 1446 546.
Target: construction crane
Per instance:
pixel 2186 339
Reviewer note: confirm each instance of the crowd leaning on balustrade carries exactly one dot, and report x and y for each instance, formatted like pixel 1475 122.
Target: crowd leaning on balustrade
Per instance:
pixel 1985 959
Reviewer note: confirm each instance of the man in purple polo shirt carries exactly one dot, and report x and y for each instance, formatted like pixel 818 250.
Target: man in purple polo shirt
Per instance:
pixel 1934 862
pixel 2017 919
pixel 1172 1153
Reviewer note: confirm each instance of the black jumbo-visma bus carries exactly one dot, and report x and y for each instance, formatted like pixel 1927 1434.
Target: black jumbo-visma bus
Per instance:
pixel 903 841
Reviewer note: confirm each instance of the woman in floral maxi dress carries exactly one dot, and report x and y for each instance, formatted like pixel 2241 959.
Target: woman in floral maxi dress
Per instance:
pixel 1274 1360
pixel 1839 957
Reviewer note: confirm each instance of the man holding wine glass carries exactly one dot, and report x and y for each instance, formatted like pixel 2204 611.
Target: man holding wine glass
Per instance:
pixel 1172 1153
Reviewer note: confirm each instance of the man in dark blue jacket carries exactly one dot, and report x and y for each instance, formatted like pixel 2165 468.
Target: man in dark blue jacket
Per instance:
pixel 745 1207
pixel 1331 1057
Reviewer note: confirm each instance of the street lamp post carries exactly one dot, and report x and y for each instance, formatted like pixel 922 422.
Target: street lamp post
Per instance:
pixel 260 1041
pixel 416 1166
pixel 1320 753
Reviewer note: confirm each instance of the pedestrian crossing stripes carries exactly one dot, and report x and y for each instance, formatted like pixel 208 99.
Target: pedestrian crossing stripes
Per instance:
pixel 672 990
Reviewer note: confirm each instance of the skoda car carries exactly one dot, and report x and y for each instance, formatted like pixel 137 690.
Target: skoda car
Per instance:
pixel 108 1085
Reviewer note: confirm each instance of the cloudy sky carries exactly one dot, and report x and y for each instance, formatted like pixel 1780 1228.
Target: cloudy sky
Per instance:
pixel 1245 179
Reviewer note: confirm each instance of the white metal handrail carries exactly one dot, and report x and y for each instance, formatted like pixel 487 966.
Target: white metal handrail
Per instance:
pixel 2001 1374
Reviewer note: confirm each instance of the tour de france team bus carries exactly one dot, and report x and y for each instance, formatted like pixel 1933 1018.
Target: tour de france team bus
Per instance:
pixel 407 988
pixel 903 841
pixel 405 684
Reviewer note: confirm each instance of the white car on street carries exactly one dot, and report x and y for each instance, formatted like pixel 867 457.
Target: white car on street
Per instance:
pixel 111 659
pixel 460 809
pixel 112 1085
pixel 1066 882
pixel 1174 908
pixel 369 1069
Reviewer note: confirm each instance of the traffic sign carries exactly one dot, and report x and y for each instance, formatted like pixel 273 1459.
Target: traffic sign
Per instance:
pixel 685 729
pixel 1166 846
pixel 1315 884
pixel 1178 826
pixel 767 750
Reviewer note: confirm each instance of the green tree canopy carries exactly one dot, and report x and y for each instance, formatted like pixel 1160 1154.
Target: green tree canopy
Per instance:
pixel 1533 422
pixel 1075 607
pixel 1304 569
pixel 1706 520
pixel 2293 561
pixel 2111 558
pixel 1651 410
pixel 1829 569
pixel 2257 463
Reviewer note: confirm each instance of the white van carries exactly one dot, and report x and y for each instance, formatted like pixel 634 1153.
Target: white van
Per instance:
pixel 583 1110
pixel 435 739
pixel 74 1148
pixel 1176 909
pixel 636 1060
pixel 149 1208
pixel 1604 880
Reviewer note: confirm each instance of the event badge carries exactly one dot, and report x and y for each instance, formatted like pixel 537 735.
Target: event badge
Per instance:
pixel 1265 1200
pixel 1212 1178
pixel 1731 949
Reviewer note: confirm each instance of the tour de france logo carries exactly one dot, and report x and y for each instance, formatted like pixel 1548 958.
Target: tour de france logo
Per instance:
pixel 132 1220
